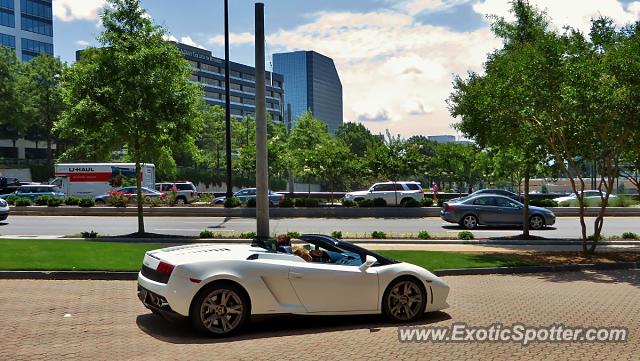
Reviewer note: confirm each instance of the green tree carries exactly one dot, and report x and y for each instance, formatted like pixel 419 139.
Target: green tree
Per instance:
pixel 42 89
pixel 133 93
pixel 11 108
pixel 389 161
pixel 357 137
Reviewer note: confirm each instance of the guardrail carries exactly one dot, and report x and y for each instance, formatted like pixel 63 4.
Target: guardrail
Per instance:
pixel 323 212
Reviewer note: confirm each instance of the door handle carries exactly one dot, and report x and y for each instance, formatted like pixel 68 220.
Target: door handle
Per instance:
pixel 295 275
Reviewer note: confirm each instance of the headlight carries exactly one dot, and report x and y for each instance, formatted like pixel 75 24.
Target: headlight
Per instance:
pixel 3 203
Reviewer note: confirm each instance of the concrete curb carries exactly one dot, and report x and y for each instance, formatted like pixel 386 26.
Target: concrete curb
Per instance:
pixel 327 212
pixel 131 276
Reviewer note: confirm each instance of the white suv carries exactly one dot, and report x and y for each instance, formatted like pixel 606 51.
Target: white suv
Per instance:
pixel 403 191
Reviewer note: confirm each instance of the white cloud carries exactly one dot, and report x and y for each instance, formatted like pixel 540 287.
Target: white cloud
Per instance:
pixel 73 10
pixel 396 73
pixel 414 7
pixel 83 43
pixel 574 13
pixel 184 40
pixel 234 39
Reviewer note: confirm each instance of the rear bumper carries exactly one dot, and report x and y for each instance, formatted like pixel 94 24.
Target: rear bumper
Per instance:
pixel 155 302
pixel 449 217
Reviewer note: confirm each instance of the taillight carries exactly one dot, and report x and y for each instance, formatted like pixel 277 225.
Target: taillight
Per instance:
pixel 165 268
pixel 449 208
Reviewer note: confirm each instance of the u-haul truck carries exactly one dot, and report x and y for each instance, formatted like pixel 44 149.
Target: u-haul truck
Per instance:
pixel 94 179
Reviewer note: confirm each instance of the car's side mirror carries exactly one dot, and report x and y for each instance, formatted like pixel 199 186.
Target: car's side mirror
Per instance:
pixel 368 262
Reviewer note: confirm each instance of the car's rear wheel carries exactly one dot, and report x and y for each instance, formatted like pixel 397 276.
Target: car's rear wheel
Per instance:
pixel 404 300
pixel 469 221
pixel 220 310
pixel 536 222
pixel 181 201
pixel 100 202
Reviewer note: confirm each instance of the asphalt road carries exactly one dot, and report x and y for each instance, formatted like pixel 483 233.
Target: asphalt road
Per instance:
pixel 566 227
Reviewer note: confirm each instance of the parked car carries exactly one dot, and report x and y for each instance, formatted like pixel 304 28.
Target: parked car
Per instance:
pixel 494 210
pixel 590 194
pixel 131 193
pixel 501 192
pixel 4 209
pixel 389 191
pixel 245 194
pixel 9 185
pixel 185 191
pixel 34 191
pixel 194 282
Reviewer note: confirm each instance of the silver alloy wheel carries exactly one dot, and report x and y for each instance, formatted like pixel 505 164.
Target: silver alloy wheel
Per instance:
pixel 221 311
pixel 180 201
pixel 536 222
pixel 405 300
pixel 470 222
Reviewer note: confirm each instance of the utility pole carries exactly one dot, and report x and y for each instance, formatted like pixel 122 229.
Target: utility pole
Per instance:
pixel 262 167
pixel 227 99
pixel 289 173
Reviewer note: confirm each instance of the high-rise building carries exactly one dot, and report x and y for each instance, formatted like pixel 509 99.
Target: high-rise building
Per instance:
pixel 209 71
pixel 27 27
pixel 311 83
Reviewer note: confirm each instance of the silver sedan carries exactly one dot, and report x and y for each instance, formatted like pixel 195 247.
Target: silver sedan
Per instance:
pixel 494 210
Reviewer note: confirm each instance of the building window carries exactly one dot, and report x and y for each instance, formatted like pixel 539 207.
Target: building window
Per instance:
pixel 194 64
pixel 248 101
pixel 8 41
pixel 209 81
pixel 212 95
pixel 235 86
pixel 211 68
pixel 193 78
pixel 7 18
pixel 235 74
pixel 37 26
pixel 236 111
pixel 248 76
pixel 248 89
pixel 6 4
pixel 36 8
pixel 36 47
pixel 235 99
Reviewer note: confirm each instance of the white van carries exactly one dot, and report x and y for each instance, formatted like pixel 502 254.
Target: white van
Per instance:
pixel 94 179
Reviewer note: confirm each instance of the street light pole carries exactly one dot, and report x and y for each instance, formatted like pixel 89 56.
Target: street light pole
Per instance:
pixel 227 98
pixel 262 167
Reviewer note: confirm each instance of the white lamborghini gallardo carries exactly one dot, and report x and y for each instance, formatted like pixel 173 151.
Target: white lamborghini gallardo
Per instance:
pixel 218 287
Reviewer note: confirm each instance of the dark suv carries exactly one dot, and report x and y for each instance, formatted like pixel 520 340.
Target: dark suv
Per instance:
pixel 185 191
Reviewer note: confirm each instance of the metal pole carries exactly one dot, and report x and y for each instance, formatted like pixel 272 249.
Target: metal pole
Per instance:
pixel 262 172
pixel 227 98
pixel 289 172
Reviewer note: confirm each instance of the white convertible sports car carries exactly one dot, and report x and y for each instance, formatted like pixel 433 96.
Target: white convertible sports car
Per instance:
pixel 218 287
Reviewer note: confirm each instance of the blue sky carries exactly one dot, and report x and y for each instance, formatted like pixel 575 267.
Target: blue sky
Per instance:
pixel 396 58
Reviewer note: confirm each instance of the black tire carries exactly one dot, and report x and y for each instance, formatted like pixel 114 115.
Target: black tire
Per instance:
pixel 181 201
pixel 398 306
pixel 358 200
pixel 536 222
pixel 100 202
pixel 403 202
pixel 205 319
pixel 469 221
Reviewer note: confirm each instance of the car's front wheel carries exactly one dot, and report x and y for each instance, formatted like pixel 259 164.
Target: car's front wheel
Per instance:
pixel 469 221
pixel 220 309
pixel 404 300
pixel 536 222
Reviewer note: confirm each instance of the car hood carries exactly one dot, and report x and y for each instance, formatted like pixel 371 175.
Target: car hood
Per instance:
pixel 539 209
pixel 204 252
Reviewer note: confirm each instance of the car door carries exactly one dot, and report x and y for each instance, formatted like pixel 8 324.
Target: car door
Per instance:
pixel 509 212
pixel 323 287
pixel 242 195
pixel 486 210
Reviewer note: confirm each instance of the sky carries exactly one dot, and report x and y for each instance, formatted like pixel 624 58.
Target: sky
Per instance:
pixel 396 59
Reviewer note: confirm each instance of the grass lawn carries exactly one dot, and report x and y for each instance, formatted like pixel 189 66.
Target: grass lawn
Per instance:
pixel 60 254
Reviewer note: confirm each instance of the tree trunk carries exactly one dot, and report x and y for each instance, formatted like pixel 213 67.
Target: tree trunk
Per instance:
pixel 525 213
pixel 139 197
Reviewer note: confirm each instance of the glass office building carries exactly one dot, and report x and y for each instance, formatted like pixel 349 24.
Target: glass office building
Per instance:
pixel 209 71
pixel 312 83
pixel 27 27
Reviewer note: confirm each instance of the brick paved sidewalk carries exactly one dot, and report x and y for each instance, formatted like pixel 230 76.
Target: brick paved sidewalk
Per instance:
pixel 103 320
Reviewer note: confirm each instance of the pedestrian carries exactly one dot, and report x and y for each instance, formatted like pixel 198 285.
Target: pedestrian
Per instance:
pixel 434 192
pixel 470 190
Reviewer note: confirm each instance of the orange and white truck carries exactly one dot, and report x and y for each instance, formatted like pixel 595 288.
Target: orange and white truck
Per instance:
pixel 94 179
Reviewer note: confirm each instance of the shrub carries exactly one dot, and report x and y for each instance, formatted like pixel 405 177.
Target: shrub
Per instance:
pixel 299 202
pixel 91 234
pixel 11 199
pixel 312 202
pixel 379 202
pixel 378 235
pixel 72 201
pixel 543 203
pixel 23 202
pixel 42 200
pixel 426 202
pixel 336 234
pixel 629 235
pixel 412 203
pixel 348 203
pixel 206 198
pixel 152 201
pixel 206 234
pixel 232 202
pixel 424 235
pixel 86 202
pixel 171 197
pixel 366 203
pixel 293 234
pixel 287 203
pixel 118 199
pixel 465 235
pixel 54 202
pixel 440 202
pixel 251 203
pixel 250 235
